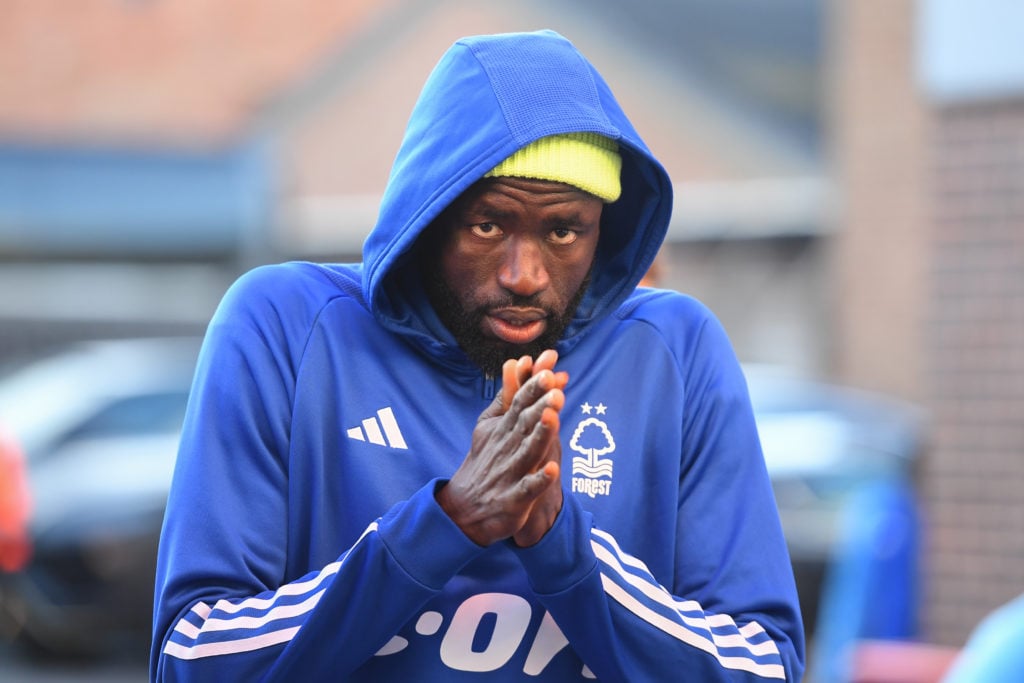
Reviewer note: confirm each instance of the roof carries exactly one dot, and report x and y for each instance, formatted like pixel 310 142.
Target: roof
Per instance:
pixel 718 154
pixel 322 90
pixel 189 71
pixel 194 71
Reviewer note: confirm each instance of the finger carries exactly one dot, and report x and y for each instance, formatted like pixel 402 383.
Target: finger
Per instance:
pixel 552 470
pixel 509 382
pixel 553 380
pixel 495 409
pixel 534 484
pixel 555 401
pixel 503 401
pixel 524 368
pixel 539 425
pixel 532 392
pixel 513 374
pixel 548 436
pixel 545 361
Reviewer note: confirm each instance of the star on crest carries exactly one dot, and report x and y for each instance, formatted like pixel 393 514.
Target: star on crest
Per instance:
pixel 601 408
pixel 586 408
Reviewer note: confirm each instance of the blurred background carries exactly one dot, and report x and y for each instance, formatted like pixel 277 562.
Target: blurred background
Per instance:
pixel 849 200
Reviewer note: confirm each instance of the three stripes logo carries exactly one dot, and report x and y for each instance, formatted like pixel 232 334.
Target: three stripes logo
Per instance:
pixel 381 430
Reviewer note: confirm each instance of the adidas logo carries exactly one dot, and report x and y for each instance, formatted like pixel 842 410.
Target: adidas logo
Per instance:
pixel 377 429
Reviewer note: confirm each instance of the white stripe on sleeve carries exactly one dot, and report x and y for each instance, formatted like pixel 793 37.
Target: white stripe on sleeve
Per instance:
pixel 680 632
pixel 688 622
pixel 250 634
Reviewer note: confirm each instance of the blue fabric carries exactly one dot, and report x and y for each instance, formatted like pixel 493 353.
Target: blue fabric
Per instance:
pixel 302 540
pixel 993 653
pixel 870 591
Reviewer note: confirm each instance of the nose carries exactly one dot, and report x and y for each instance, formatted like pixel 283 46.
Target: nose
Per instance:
pixel 522 269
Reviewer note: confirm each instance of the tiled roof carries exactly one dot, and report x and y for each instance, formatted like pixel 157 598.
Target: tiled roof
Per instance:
pixel 181 70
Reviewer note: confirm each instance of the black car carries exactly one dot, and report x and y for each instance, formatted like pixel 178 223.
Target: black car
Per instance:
pixel 98 425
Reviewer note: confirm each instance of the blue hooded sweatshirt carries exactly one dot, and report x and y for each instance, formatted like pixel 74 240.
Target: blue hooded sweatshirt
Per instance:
pixel 302 539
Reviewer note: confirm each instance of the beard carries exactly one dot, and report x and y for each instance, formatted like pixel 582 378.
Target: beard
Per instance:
pixel 466 325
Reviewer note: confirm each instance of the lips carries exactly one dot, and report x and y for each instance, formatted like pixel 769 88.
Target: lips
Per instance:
pixel 516 325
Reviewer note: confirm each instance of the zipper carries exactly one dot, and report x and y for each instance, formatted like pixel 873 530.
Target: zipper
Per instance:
pixel 489 387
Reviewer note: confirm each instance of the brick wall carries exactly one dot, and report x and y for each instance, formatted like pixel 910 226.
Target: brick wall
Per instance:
pixel 929 268
pixel 878 125
pixel 974 478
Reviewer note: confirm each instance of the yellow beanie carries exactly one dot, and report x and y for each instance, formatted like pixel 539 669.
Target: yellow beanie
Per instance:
pixel 588 161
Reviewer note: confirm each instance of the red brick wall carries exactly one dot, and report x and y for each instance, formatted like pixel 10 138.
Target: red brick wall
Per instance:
pixel 929 266
pixel 878 122
pixel 974 477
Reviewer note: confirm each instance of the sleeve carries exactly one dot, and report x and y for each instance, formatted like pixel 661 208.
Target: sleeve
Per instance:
pixel 225 607
pixel 729 612
pixel 993 652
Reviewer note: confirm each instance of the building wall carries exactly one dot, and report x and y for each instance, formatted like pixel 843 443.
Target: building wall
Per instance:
pixel 772 295
pixel 877 131
pixel 929 272
pixel 974 477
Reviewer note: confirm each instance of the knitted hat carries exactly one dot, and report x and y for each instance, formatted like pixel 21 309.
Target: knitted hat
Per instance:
pixel 588 161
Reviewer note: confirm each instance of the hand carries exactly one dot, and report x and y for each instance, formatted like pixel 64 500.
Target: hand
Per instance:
pixel 513 459
pixel 547 506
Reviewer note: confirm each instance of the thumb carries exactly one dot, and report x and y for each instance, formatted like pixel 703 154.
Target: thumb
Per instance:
pixel 496 408
pixel 509 386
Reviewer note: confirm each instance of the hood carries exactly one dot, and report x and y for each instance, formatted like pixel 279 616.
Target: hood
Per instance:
pixel 487 97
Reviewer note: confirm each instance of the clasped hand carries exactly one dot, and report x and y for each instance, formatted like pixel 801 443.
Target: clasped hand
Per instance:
pixel 509 484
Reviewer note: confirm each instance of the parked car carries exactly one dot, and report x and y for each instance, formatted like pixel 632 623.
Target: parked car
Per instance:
pixel 825 446
pixel 98 425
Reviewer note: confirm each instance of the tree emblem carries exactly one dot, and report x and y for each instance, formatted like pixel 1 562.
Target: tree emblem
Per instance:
pixel 592 439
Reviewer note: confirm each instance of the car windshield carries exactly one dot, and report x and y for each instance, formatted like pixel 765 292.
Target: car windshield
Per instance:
pixel 98 390
pixel 30 397
pixel 805 442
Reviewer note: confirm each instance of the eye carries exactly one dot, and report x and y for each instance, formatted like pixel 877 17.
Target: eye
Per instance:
pixel 487 231
pixel 563 236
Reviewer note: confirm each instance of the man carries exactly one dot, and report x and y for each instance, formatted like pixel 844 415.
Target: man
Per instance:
pixel 482 453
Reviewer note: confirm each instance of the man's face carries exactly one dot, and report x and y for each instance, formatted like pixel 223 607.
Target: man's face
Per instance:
pixel 512 264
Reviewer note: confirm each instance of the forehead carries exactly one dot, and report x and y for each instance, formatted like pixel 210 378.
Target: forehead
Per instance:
pixel 525 194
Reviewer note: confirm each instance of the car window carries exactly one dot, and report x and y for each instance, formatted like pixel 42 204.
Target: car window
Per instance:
pixel 140 415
